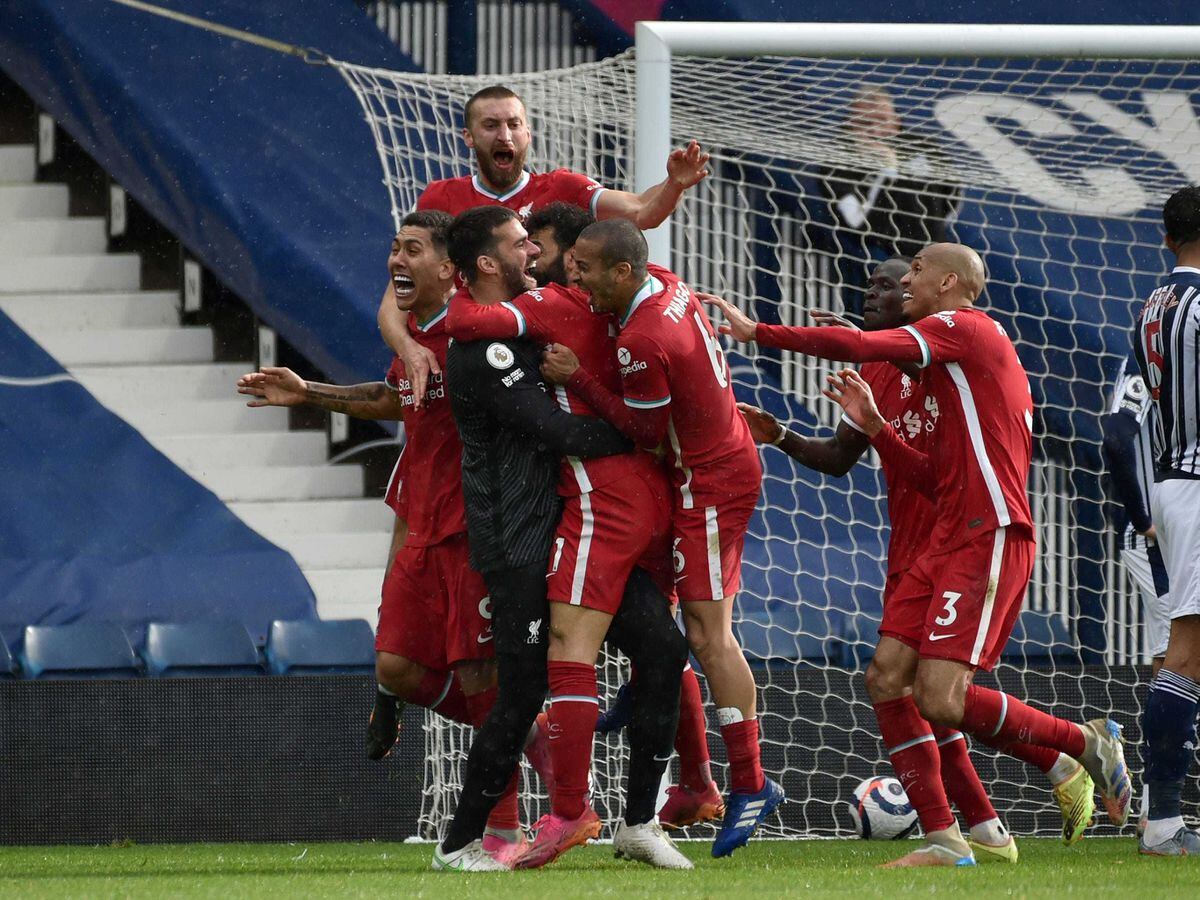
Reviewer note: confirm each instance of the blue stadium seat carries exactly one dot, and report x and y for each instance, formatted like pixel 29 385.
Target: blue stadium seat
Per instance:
pixel 193 649
pixel 859 636
pixel 82 650
pixel 1039 637
pixel 8 665
pixel 316 647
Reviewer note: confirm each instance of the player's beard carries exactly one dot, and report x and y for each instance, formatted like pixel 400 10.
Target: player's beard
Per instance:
pixel 556 273
pixel 501 179
pixel 515 280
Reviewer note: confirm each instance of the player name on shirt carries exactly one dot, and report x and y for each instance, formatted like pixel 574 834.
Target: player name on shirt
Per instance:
pixel 670 355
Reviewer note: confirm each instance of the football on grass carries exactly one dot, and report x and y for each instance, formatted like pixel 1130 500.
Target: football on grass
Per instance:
pixel 880 810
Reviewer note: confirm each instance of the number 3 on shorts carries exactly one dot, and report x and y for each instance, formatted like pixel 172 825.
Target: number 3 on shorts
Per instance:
pixel 949 613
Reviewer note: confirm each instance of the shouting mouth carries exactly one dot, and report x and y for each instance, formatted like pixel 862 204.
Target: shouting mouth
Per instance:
pixel 403 286
pixel 503 159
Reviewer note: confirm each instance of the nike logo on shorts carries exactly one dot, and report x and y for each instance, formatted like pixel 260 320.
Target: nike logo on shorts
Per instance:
pixel 484 638
pixel 940 637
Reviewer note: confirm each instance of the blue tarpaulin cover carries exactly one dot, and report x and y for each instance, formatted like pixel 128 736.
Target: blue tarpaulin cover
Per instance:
pixel 98 525
pixel 260 164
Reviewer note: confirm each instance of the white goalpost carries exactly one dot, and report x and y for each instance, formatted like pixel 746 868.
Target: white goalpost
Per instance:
pixel 1047 148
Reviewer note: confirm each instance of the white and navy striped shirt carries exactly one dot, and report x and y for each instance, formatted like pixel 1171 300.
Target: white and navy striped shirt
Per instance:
pixel 1131 398
pixel 1168 353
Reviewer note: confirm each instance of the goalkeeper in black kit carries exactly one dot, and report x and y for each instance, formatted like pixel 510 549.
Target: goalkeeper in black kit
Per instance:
pixel 514 435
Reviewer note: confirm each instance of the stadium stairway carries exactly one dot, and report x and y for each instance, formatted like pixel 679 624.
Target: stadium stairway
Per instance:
pixel 126 346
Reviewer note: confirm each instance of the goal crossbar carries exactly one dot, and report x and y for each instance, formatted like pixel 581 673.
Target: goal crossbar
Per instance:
pixel 657 42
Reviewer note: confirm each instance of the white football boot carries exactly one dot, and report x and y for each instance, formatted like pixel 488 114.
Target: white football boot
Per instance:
pixel 648 843
pixel 471 858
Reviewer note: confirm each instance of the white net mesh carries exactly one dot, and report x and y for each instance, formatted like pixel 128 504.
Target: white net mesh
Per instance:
pixel 1053 170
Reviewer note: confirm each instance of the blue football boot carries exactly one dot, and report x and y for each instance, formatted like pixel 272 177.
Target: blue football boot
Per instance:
pixel 743 814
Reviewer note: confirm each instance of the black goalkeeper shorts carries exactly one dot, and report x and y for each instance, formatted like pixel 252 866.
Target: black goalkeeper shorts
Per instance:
pixel 520 610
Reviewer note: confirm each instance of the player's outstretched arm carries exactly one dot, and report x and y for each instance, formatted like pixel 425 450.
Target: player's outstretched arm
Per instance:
pixel 895 345
pixel 649 209
pixel 850 391
pixel 467 320
pixel 278 386
pixel 834 455
pixel 645 427
pixel 526 407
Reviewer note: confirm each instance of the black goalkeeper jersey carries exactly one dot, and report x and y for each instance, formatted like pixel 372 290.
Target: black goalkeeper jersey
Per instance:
pixel 514 435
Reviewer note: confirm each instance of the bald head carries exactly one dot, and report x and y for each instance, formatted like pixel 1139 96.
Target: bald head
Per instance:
pixel 942 277
pixel 961 261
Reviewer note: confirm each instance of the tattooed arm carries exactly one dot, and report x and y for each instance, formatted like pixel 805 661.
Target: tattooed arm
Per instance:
pixel 276 386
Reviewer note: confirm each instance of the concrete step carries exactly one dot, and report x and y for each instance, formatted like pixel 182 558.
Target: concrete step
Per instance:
pixel 225 416
pixel 252 483
pixel 126 346
pixel 77 272
pixel 158 383
pixel 70 312
pixel 42 237
pixel 18 162
pixel 273 520
pixel 347 593
pixel 337 550
pixel 207 452
pixel 29 201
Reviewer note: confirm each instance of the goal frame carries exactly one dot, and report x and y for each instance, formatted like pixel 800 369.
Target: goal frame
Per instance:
pixel 657 43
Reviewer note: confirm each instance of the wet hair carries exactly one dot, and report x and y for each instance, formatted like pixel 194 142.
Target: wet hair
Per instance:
pixel 565 220
pixel 436 222
pixel 472 234
pixel 620 241
pixel 1181 215
pixel 493 92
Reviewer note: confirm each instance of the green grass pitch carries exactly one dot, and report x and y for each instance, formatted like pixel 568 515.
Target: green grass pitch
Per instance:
pixel 1095 868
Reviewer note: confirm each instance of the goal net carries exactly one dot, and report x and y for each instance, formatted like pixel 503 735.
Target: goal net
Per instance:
pixel 1053 169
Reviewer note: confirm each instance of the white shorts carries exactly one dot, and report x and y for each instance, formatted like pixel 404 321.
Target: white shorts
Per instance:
pixel 1175 511
pixel 1148 571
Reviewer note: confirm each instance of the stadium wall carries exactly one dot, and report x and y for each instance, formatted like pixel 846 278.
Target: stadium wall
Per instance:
pixel 258 163
pixel 281 759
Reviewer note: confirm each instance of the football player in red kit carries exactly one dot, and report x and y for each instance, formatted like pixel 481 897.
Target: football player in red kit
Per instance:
pixel 971 581
pixel 676 390
pixel 496 130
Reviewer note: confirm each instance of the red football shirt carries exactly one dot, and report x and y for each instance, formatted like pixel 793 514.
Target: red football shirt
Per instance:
pixel 914 414
pixel 426 489
pixel 565 315
pixel 531 192
pixel 982 454
pixel 670 355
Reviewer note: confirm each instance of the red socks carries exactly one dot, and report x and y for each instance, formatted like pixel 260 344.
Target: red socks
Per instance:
pixel 914 753
pixel 1000 721
pixel 1042 758
pixel 506 816
pixel 963 787
pixel 573 710
pixel 691 738
pixel 741 746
